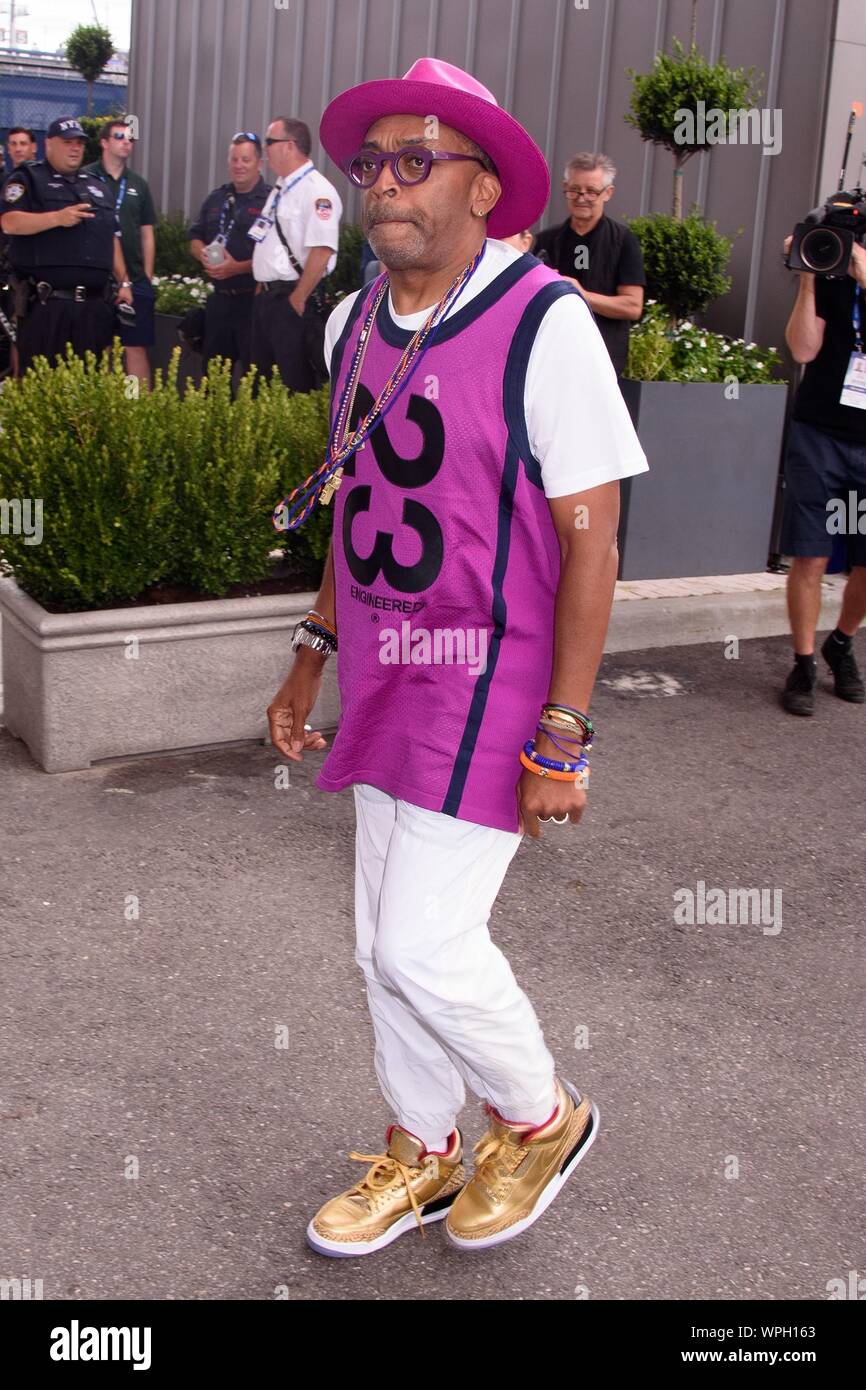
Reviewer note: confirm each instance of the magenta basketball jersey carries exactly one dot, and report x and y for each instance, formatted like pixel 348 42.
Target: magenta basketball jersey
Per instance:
pixel 446 560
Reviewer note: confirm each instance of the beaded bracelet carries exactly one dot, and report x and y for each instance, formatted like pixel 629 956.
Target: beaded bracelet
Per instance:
pixel 324 632
pixel 554 764
pixel 530 766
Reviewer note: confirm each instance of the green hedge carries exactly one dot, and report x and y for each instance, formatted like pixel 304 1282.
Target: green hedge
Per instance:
pixel 165 487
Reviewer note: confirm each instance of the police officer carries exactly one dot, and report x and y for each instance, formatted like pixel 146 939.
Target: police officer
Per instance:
pixel 20 147
pixel 296 243
pixel 220 239
pixel 61 223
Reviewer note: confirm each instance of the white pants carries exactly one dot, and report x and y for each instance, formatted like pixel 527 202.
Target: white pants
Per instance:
pixel 446 1007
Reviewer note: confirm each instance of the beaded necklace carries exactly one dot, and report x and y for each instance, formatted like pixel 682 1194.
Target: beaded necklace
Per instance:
pixel 323 483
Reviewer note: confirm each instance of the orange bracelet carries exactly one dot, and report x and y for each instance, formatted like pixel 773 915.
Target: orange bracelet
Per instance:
pixel 549 772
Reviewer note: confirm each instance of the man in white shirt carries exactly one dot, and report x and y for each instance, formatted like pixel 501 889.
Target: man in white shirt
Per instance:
pixel 296 240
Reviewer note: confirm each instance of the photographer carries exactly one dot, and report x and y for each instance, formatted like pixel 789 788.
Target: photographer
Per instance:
pixel 61 225
pixel 825 461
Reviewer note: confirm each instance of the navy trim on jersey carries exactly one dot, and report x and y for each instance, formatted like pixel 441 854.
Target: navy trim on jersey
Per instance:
pixel 401 337
pixel 460 771
pixel 514 380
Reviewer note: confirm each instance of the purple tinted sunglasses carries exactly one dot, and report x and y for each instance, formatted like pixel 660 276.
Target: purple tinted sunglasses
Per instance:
pixel 410 165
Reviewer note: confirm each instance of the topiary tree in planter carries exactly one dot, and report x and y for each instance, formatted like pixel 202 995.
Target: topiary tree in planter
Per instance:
pixel 677 83
pixel 684 260
pixel 88 49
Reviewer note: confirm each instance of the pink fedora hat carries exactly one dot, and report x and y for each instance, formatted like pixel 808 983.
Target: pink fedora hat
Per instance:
pixel 434 88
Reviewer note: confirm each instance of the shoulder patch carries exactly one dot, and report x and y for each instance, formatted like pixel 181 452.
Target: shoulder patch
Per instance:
pixel 12 192
pixel 324 208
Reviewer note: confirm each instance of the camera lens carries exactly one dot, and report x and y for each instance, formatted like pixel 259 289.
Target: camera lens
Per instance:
pixel 822 249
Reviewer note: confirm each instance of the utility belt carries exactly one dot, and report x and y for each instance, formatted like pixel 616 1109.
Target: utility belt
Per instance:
pixel 248 289
pixel 277 286
pixel 26 291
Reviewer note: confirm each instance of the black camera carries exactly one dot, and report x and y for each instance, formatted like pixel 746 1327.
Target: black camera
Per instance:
pixel 822 242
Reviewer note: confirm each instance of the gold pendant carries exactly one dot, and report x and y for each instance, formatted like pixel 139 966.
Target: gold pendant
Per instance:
pixel 331 487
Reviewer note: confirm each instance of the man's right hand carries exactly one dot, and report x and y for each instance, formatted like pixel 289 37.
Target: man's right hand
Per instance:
pixel 71 216
pixel 287 712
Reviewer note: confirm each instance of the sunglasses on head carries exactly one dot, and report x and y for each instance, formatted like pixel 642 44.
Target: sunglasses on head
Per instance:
pixel 410 165
pixel 247 135
pixel 122 135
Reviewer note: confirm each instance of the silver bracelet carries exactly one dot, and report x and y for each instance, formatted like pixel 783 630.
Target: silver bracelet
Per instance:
pixel 302 637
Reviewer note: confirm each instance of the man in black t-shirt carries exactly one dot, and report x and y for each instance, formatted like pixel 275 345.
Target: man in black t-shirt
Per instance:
pixel 220 239
pixel 602 257
pixel 825 476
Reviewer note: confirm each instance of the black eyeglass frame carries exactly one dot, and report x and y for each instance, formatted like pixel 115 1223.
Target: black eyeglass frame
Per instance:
pixel 380 158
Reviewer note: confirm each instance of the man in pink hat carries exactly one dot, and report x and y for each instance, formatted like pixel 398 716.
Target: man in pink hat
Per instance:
pixel 481 436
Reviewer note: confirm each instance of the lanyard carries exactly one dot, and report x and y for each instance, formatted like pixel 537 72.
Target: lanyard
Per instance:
pixel 223 234
pixel 286 188
pixel 855 315
pixel 121 194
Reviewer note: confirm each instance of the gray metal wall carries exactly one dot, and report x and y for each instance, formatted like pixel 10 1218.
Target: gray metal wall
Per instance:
pixel 202 69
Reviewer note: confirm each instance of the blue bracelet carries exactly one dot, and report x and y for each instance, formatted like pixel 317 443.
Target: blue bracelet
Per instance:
pixel 553 764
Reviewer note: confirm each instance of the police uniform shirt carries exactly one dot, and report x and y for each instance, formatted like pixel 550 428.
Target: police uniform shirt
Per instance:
pixel 309 216
pixel 63 256
pixel 248 206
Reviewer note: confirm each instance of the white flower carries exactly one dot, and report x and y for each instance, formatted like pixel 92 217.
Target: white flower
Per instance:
pixel 703 369
pixel 703 342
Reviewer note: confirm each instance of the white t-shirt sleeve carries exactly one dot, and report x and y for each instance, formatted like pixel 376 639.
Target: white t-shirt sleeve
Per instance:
pixel 335 325
pixel 324 210
pixel 578 424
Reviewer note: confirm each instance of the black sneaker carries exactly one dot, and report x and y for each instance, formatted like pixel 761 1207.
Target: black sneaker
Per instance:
pixel 798 697
pixel 846 674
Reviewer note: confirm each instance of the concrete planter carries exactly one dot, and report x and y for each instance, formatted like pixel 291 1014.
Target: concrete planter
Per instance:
pixel 204 674
pixel 706 505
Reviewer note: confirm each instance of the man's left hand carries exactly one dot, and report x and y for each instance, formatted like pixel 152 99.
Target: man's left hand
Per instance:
pixel 543 796
pixel 123 297
pixel 298 303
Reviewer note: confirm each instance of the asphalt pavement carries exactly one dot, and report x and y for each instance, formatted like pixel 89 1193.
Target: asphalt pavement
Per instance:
pixel 172 922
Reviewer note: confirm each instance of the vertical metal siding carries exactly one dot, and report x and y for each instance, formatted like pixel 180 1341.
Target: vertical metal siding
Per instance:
pixel 560 70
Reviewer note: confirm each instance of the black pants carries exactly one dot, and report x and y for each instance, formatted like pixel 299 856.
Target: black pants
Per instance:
pixel 47 328
pixel 281 338
pixel 228 325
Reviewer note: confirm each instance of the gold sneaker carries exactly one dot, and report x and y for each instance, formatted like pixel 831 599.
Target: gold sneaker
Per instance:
pixel 519 1172
pixel 405 1187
